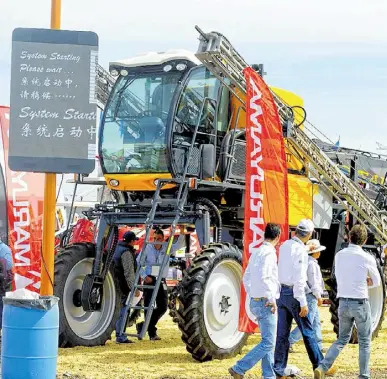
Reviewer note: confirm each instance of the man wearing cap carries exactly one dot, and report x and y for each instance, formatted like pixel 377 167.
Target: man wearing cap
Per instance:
pixel 292 304
pixel 125 265
pixel 314 291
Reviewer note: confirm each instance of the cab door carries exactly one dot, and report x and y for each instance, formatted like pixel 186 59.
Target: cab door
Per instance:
pixel 203 104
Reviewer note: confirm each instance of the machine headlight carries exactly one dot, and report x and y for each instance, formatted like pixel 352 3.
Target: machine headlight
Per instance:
pixel 167 68
pixel 114 72
pixel 124 72
pixel 114 182
pixel 181 66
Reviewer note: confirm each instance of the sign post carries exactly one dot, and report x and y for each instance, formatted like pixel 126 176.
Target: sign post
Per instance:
pixel 49 204
pixel 53 120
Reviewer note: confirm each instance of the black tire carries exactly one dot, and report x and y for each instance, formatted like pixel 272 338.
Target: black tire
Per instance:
pixel 64 263
pixel 334 306
pixel 189 310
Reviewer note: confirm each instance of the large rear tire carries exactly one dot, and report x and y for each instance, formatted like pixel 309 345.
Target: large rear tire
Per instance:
pixel 77 327
pixel 207 304
pixel 377 299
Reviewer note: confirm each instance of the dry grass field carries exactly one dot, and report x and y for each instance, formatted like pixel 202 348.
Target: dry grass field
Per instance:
pixel 168 359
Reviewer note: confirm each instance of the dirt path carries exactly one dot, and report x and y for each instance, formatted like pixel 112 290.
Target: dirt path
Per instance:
pixel 168 359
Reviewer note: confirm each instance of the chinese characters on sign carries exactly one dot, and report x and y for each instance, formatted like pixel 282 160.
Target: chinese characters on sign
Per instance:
pixel 53 122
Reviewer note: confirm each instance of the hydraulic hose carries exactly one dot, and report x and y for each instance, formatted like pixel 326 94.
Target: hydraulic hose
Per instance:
pixel 303 111
pixel 215 212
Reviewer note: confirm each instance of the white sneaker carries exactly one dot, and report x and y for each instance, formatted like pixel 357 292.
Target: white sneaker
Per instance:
pixel 291 370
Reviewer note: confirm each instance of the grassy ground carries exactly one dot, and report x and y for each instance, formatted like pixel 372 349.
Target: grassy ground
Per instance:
pixel 168 359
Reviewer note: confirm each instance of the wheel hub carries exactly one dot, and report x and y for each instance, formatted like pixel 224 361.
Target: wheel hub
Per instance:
pixel 77 298
pixel 221 303
pixel 220 299
pixel 224 304
pixel 87 325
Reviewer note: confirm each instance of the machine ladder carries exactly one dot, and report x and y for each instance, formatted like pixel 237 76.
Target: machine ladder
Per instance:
pixel 220 57
pixel 154 220
pixel 182 184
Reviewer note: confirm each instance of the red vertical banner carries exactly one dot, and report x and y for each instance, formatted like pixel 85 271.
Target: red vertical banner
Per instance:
pixel 266 194
pixel 25 192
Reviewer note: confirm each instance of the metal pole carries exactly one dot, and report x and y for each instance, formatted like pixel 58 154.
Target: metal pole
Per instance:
pixel 47 265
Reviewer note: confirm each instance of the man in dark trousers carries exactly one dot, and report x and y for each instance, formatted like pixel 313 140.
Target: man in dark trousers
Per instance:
pixel 292 304
pixel 154 254
pixel 125 269
pixel 356 271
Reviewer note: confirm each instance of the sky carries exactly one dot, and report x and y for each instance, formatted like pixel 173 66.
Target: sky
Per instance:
pixel 331 53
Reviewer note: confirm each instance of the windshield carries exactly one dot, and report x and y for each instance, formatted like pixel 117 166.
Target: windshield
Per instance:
pixel 133 135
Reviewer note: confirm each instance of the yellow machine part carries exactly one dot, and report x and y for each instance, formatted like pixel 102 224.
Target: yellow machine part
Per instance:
pixel 300 198
pixel 136 182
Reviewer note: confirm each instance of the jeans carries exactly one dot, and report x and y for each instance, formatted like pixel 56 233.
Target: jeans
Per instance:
pixel 350 311
pixel 314 317
pixel 289 309
pixel 264 351
pixel 121 319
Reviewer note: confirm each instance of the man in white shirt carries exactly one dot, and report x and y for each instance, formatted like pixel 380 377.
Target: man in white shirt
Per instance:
pixel 262 286
pixel 355 272
pixel 292 304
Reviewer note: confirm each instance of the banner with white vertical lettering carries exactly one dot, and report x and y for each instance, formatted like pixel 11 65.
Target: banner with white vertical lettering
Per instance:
pixel 266 194
pixel 25 192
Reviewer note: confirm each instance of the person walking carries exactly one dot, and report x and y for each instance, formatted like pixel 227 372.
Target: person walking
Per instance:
pixel 356 271
pixel 314 292
pixel 292 304
pixel 154 254
pixel 125 266
pixel 262 287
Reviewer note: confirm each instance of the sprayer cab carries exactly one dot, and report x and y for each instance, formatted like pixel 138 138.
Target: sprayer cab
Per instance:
pixel 158 103
pixel 136 124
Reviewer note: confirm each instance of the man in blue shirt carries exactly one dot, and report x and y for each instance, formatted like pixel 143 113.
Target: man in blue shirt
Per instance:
pixel 154 254
pixel 6 276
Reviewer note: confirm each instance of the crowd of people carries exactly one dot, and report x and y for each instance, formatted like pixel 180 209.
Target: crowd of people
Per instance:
pixel 281 290
pixel 292 290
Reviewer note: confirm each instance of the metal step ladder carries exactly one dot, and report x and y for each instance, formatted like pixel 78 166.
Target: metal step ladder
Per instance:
pixel 220 57
pixel 183 185
pixel 151 221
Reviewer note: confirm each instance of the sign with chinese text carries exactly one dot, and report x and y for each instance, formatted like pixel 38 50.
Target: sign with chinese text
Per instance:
pixel 53 121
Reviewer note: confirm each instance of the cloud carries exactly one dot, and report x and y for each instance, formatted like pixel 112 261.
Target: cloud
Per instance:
pixel 242 20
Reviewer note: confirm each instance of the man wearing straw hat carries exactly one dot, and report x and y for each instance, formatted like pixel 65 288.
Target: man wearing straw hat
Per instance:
pixel 314 291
